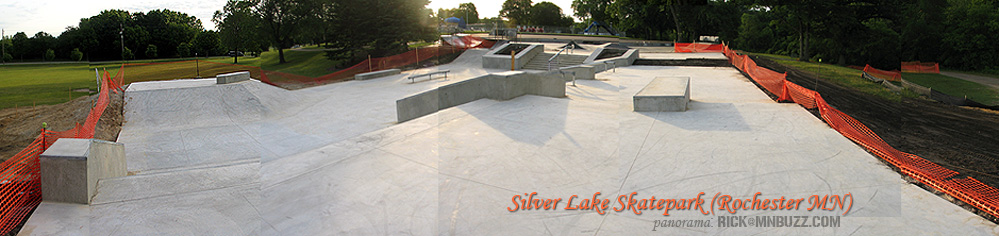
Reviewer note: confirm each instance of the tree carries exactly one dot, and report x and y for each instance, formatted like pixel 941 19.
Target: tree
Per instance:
pixel 20 45
pixel 400 22
pixel 39 44
pixel 238 26
pixel 49 54
pixel 281 20
pixel 591 10
pixel 464 11
pixel 922 24
pixel 167 29
pixel 127 54
pixel 518 12
pixel 76 55
pixel 7 57
pixel 184 49
pixel 971 30
pixel 549 14
pixel 207 43
pixel 151 51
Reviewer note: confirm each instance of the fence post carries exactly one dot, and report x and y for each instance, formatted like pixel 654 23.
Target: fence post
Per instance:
pixel 417 56
pixel 369 62
pixel 44 126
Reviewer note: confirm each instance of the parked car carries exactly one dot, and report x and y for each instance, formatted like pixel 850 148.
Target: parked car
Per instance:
pixel 235 54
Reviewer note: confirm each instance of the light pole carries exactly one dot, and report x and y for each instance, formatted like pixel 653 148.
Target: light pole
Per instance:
pixel 3 48
pixel 121 32
pixel 197 66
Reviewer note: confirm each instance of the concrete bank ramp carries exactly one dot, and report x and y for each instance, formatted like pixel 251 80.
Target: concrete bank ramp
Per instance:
pixel 177 127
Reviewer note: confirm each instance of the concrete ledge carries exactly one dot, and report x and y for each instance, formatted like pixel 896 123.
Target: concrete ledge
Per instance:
pixel 232 77
pixel 496 61
pixel 71 168
pixel 664 94
pixel 587 72
pixel 377 74
pixel 498 86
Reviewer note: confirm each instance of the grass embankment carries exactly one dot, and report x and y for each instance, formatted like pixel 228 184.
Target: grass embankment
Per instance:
pixel 843 76
pixel 27 85
pixel 955 87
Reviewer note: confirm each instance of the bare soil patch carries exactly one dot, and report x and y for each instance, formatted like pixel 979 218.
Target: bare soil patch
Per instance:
pixel 21 125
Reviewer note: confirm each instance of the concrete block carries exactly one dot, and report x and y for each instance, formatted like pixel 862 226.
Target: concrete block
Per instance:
pixel 498 86
pixel 582 72
pixel 377 74
pixel 417 105
pixel 664 94
pixel 71 168
pixel 232 77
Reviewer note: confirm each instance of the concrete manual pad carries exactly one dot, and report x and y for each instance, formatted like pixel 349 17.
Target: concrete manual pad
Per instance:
pixel 330 160
pixel 664 94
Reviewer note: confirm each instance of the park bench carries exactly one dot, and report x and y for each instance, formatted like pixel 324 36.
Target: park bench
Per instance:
pixel 430 76
pixel 664 94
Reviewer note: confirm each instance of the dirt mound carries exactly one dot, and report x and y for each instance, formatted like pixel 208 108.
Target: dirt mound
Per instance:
pixel 19 126
pixel 958 138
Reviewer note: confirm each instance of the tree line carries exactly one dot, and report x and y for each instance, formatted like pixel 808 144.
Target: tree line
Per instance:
pixel 350 29
pixel 956 33
pixel 116 35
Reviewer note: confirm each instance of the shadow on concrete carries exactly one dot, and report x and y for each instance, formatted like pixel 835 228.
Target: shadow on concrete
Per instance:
pixel 535 124
pixel 584 91
pixel 704 116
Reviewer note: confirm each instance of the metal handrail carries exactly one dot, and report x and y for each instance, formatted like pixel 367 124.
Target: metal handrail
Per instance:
pixel 555 57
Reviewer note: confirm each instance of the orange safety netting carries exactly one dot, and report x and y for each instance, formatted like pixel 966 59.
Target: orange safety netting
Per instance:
pixel 968 190
pixel 921 67
pixel 886 75
pixel 20 181
pixel 455 45
pixel 697 47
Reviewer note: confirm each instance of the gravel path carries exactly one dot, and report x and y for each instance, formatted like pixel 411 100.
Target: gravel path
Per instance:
pixel 990 81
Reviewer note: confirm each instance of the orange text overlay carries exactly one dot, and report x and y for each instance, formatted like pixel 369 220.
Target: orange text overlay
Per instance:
pixel 723 203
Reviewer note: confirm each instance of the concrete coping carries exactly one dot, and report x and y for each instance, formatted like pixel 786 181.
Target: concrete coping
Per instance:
pixel 68 148
pixel 377 74
pixel 232 77
pixel 664 94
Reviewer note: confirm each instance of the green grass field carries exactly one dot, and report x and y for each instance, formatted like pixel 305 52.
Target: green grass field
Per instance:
pixel 956 87
pixel 27 85
pixel 843 76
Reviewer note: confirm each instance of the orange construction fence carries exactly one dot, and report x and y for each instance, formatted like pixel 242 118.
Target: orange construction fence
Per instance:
pixel 697 47
pixel 921 67
pixel 281 79
pixel 20 183
pixel 967 189
pixel 886 75
pixel 381 63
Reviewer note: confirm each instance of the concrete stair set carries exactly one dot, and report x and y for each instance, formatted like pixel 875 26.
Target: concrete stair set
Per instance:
pixel 540 62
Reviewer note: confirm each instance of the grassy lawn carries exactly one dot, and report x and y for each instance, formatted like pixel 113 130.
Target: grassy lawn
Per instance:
pixel 955 87
pixel 309 61
pixel 24 85
pixel 843 76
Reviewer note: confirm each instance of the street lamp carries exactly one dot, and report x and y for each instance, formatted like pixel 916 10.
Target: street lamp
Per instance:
pixel 3 48
pixel 121 32
pixel 197 66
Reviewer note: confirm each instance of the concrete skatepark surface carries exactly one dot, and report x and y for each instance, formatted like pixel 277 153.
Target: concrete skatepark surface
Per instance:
pixel 250 159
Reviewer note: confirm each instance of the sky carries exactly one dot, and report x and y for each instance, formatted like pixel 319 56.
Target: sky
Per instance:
pixel 53 16
pixel 491 8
